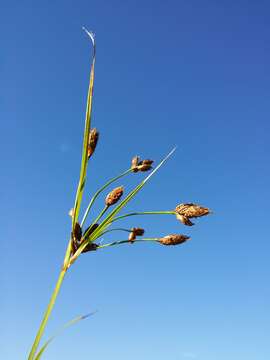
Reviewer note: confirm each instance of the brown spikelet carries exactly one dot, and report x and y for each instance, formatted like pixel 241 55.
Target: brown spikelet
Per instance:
pixel 138 231
pixel 191 210
pixel 92 142
pixel 173 239
pixel 134 163
pixel 114 196
pixel 143 165
pixel 77 232
pixel 134 233
pixel 74 245
pixel 90 247
pixel 90 229
pixel 76 236
pixel 132 237
pixel 184 220
pixel 147 162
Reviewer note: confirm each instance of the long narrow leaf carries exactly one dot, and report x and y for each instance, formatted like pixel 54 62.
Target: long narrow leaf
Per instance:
pixel 84 161
pixel 68 324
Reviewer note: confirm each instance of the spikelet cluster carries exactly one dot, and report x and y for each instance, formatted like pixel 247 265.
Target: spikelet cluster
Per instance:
pixel 173 239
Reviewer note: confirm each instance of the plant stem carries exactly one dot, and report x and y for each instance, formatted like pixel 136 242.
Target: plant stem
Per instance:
pixel 47 314
pixel 126 241
pixel 116 229
pixel 144 213
pixel 51 303
pixel 98 218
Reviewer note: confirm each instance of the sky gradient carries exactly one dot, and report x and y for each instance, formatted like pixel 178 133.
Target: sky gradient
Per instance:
pixel 189 73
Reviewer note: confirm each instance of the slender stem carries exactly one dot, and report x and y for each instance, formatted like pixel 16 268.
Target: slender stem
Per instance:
pixel 144 213
pixel 51 303
pixel 116 229
pixel 126 241
pixel 47 314
pixel 99 191
pixel 98 217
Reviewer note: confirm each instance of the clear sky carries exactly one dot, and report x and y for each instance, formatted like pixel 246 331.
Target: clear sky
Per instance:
pixel 188 73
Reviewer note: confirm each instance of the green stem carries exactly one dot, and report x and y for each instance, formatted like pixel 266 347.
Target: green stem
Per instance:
pixel 144 213
pixel 99 191
pixel 116 229
pixel 47 314
pixel 51 303
pixel 97 218
pixel 126 241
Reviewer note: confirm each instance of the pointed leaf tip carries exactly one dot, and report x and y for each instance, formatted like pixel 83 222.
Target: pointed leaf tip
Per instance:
pixel 90 34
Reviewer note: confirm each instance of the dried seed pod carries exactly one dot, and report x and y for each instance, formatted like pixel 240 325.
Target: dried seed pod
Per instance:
pixel 134 233
pixel 132 237
pixel 147 162
pixel 92 142
pixel 76 236
pixel 184 220
pixel 74 245
pixel 77 232
pixel 90 247
pixel 114 196
pixel 173 239
pixel 145 165
pixel 90 229
pixel 138 231
pixel 191 210
pixel 134 163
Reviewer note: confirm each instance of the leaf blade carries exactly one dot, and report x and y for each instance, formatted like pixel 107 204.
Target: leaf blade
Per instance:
pixel 87 127
pixel 65 326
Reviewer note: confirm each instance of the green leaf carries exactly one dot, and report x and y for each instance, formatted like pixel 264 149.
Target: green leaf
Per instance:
pixel 84 161
pixel 68 324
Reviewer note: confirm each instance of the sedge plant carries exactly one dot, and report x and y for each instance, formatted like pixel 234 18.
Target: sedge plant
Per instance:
pixel 85 234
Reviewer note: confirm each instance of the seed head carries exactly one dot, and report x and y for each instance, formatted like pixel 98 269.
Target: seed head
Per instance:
pixel 76 236
pixel 143 165
pixel 90 247
pixel 74 246
pixel 114 196
pixel 138 231
pixel 134 233
pixel 90 229
pixel 77 232
pixel 132 237
pixel 92 142
pixel 174 239
pixel 185 212
pixel 134 163
pixel 191 210
pixel 184 220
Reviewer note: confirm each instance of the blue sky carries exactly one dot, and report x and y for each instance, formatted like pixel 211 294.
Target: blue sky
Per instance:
pixel 189 73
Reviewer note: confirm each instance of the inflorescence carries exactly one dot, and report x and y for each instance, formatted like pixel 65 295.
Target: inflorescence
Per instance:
pixel 83 239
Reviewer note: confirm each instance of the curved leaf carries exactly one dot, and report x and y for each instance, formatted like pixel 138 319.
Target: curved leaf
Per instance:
pixel 68 324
